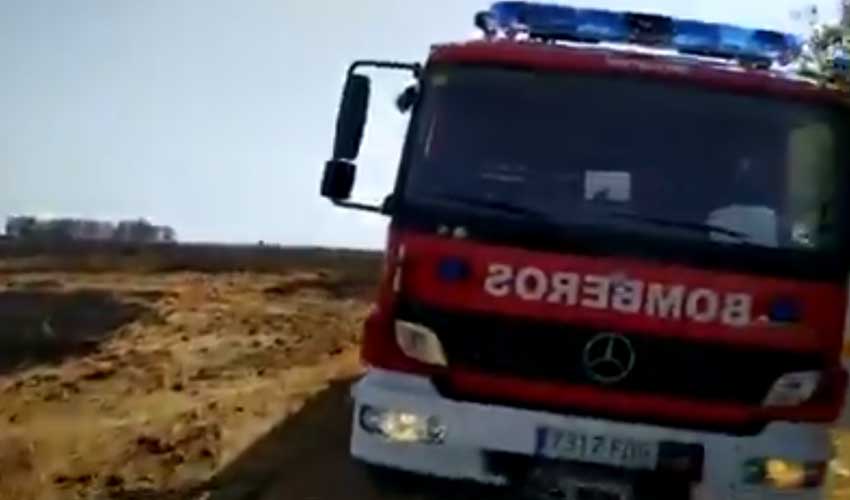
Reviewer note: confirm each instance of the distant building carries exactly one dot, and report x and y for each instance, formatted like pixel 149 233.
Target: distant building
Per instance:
pixel 142 231
pixel 91 230
pixel 138 231
pixel 20 227
pixel 166 234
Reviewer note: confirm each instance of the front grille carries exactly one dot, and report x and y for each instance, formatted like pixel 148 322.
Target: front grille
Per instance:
pixel 554 352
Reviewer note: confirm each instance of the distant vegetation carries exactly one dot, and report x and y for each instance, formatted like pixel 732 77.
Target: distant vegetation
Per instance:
pixel 98 256
pixel 826 53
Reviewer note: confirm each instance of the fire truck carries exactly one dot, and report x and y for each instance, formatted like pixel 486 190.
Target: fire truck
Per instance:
pixel 617 259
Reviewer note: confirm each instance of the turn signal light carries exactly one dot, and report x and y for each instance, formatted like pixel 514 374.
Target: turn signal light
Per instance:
pixel 420 343
pixel 793 389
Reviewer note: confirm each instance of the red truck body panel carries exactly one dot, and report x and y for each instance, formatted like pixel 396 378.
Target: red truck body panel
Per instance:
pixel 722 76
pixel 822 305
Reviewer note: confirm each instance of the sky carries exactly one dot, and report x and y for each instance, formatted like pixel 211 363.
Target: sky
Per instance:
pixel 216 116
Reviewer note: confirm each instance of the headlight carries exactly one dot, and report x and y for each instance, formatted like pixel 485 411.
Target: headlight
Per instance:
pixel 401 426
pixel 793 389
pixel 784 474
pixel 420 343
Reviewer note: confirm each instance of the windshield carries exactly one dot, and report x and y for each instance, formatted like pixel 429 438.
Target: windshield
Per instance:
pixel 636 155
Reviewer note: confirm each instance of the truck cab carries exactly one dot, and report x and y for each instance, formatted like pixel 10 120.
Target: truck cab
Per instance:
pixel 616 262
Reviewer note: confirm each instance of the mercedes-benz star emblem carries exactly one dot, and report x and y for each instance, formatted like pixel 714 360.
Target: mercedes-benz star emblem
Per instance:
pixel 609 358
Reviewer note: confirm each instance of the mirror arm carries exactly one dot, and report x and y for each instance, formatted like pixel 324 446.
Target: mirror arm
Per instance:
pixel 414 68
pixel 359 206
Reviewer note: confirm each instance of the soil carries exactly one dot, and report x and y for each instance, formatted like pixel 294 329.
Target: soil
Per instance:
pixel 120 385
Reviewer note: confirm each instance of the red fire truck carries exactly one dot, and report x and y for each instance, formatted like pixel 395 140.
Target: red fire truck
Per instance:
pixel 617 260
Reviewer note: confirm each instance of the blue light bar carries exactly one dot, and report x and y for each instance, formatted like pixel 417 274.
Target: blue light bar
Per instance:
pixel 695 37
pixel 601 25
pixel 561 22
pixel 557 22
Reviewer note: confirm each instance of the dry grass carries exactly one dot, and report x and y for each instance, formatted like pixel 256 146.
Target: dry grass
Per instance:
pixel 175 395
pixel 89 257
pixel 840 470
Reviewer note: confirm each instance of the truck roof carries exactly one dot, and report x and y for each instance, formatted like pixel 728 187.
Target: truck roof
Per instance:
pixel 636 61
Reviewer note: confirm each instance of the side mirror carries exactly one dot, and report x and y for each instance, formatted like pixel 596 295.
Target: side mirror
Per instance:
pixel 351 120
pixel 338 179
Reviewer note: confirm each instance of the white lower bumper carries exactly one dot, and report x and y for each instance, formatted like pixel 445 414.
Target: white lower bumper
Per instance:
pixel 475 428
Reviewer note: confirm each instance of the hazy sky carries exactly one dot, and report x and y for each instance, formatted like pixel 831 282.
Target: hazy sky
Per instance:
pixel 216 116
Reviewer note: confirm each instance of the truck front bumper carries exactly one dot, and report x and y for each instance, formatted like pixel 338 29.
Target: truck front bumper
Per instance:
pixel 457 437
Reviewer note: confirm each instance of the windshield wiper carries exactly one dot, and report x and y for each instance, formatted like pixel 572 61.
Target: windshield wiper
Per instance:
pixel 686 225
pixel 524 211
pixel 496 205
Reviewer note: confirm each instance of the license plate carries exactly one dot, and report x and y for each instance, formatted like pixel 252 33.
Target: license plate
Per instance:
pixel 602 449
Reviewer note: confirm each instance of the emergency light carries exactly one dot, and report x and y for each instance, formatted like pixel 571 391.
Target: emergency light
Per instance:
pixel 563 23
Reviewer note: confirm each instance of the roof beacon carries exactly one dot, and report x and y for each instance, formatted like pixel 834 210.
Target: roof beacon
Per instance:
pixel 547 22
